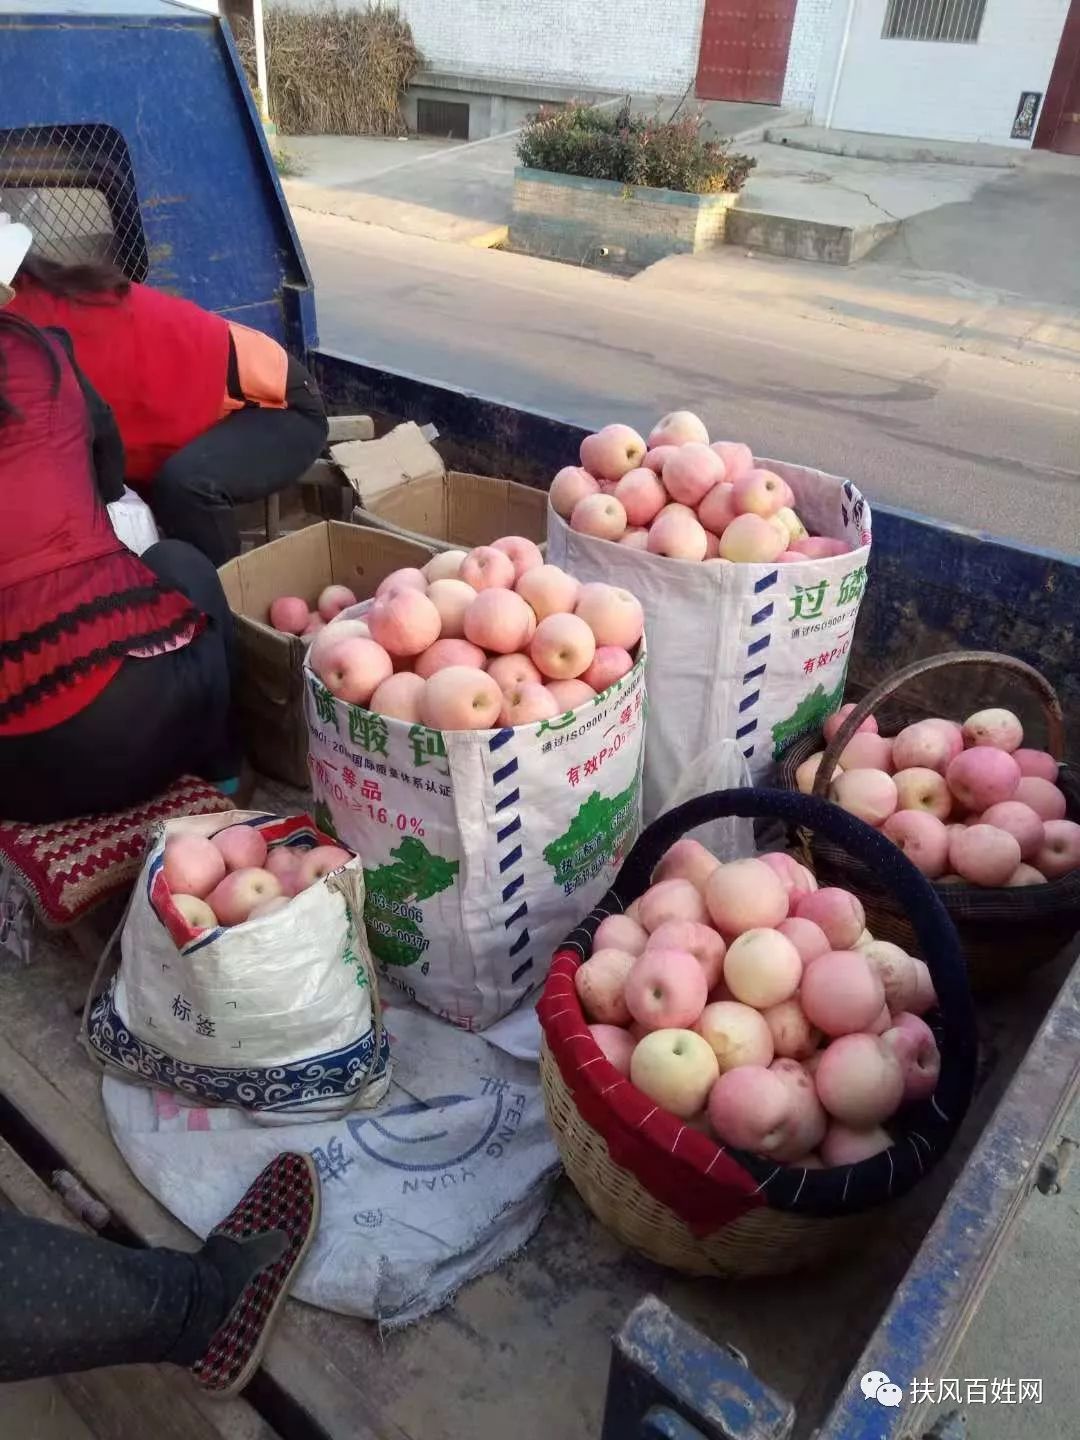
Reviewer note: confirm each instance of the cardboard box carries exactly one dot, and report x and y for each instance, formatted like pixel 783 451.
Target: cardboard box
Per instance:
pixel 404 488
pixel 268 683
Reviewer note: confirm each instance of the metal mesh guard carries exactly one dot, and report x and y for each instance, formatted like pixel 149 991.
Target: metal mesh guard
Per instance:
pixel 74 187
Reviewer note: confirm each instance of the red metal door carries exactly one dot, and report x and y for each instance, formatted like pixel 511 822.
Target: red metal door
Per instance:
pixel 1059 124
pixel 744 49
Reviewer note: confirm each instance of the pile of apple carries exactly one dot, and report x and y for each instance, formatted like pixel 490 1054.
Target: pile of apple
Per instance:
pixel 480 638
pixel 290 613
pixel 232 876
pixel 755 1006
pixel 677 495
pixel 965 803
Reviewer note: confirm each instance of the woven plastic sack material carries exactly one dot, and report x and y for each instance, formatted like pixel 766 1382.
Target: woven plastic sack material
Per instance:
pixel 755 653
pixel 133 522
pixel 448 1177
pixel 279 1015
pixel 478 845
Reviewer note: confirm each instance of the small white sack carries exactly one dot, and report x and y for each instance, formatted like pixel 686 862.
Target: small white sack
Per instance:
pixel 754 653
pixel 274 1015
pixel 482 849
pixel 133 522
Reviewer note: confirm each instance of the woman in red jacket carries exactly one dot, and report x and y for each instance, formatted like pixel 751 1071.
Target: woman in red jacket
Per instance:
pixel 114 670
pixel 211 413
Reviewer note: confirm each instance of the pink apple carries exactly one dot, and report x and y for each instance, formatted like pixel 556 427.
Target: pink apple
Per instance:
pixel 809 1121
pixel 984 855
pixel 922 837
pixel 896 970
pixel 758 492
pixel 820 547
pixel 793 1036
pixel 1059 853
pixel 1025 875
pixel 319 861
pixel 1021 822
pixel 1000 728
pixel 925 994
pixel 528 704
pixel 444 566
pixel 610 663
pixel 619 932
pixel 753 1108
pixel 868 752
pixel 674 899
pixel 677 533
pixel 859 1080
pixel 289 614
pixel 737 457
pixel 315 626
pixel 746 895
pixel 806 773
pixel 405 622
pixel 570 693
pixel 242 846
pixel 691 473
pixel 666 989
pixel 642 495
pixel 913 1042
pixel 736 1033
pixel 268 907
pixel 869 794
pixel 500 620
pixel 485 568
pixel 1037 763
pixel 833 722
pixel 398 697
pixel 798 880
pixel 601 516
pixel 839 914
pixel 613 615
pixel 449 652
pixel 809 939
pixel 233 898
pixel 1045 799
pixel 547 590
pixel 331 633
pixel 570 485
pixel 689 860
pixel 460 698
pixel 841 992
pixel 525 553
pixel 563 647
pixel 712 546
pixel 921 788
pixel 676 1069
pixel 696 939
pixel 635 538
pixel 762 968
pixel 353 668
pixel 192 865
pixel 678 427
pixel 656 458
pixel 452 599
pixel 406 578
pixel 601 985
pixel 844 1146
pixel 612 451
pixel 196 912
pixel 927 745
pixel 283 862
pixel 983 777
pixel 616 1045
pixel 509 671
pixel 717 510
pixel 751 539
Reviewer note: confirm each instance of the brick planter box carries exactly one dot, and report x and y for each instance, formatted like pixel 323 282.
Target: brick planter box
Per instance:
pixel 569 217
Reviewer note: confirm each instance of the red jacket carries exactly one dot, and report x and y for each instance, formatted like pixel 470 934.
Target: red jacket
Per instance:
pixel 159 362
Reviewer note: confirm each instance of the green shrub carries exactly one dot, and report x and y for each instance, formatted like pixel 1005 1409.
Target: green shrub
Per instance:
pixel 631 150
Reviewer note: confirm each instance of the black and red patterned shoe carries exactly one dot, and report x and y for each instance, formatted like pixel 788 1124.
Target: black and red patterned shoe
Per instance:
pixel 282 1204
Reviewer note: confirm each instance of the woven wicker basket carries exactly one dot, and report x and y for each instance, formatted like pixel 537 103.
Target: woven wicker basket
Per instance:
pixel 1005 933
pixel 669 1191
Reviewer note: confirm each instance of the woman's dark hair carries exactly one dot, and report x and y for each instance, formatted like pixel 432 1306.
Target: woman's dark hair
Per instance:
pixel 36 337
pixel 92 281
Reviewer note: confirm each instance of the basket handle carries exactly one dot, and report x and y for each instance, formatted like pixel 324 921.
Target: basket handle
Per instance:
pixel 870 702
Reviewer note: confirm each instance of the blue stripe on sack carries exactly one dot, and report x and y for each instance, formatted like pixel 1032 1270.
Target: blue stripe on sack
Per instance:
pixel 748 700
pixel 512 889
pixel 519 914
pixel 763 614
pixel 522 970
pixel 511 799
pixel 152 870
pixel 207 939
pixel 520 942
pixel 508 830
pixel 747 729
pixel 761 643
pixel 748 753
pixel 510 768
pixel 511 859
pixel 499 739
pixel 766 582
pixel 753 674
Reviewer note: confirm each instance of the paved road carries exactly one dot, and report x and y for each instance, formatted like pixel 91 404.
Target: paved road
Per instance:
pixel 970 439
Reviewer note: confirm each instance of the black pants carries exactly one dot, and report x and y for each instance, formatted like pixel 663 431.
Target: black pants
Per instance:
pixel 157 719
pixel 247 456
pixel 70 1302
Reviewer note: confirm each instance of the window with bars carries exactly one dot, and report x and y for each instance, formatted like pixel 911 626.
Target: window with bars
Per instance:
pixel 957 21
pixel 74 187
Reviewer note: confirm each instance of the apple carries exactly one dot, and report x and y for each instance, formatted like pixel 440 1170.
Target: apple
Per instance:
pixel 809 1121
pixel 619 932
pixel 448 652
pixel 460 698
pixel 547 590
pixel 922 837
pixel 797 879
pixel 657 457
pixel 841 992
pixel 689 860
pixel 868 794
pixel 192 865
pixel 485 568
pixel 353 668
pixel 289 614
pixel 525 553
pixel 983 854
pixel 676 1069
pixel 677 533
pixel 1025 875
pixel 635 538
pixel 1037 763
pixel 196 912
pixel 674 899
pixel 241 846
pixel 509 671
pixel 601 516
pixel 859 1080
pixel 736 1033
pixel 452 598
pixel 678 427
pixel 569 693
pixel 920 788
pixel 315 626
pixel 982 777
pixel 839 914
pixel 563 647
pixel 666 989
pixel 444 566
pixel 616 1045
pixel 405 622
pixel 692 472
pixel 701 941
pixel 282 862
pixel 527 704
pixel 500 620
pixel 754 1108
pixel 406 578
pixel 1021 822
pixel 570 485
pixel 319 861
pixel 820 547
pixel 759 492
pixel 610 663
pixel 750 538
pixel 793 1036
pixel 746 895
pixel 233 898
pixel 763 968
pixel 1060 851
pixel 809 939
pixel 613 615
pixel 1045 799
pixel 867 752
pixel 913 1042
pixel 925 994
pixel 896 971
pixel 612 451
pixel 642 495
pixel 398 697
pixel 999 728
pixel 601 985
pixel 737 457
pixel 844 1146
pixel 331 633
pixel 834 721
pixel 927 745
pixel 793 526
pixel 806 773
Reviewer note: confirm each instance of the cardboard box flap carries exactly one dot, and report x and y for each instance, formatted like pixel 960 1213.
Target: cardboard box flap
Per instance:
pixel 373 467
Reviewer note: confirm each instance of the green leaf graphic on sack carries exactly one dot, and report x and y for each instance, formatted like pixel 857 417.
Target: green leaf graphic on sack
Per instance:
pixel 395 892
pixel 810 714
pixel 595 838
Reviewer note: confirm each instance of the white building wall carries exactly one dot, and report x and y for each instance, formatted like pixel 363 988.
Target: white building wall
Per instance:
pixel 804 57
pixel 933 89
